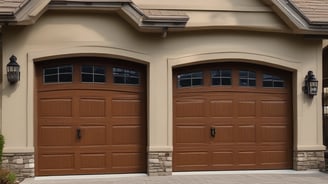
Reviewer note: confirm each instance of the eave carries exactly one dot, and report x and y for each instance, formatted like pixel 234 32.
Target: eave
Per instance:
pixel 296 20
pixel 156 21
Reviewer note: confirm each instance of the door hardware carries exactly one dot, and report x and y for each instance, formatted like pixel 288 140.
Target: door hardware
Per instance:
pixel 78 133
pixel 213 131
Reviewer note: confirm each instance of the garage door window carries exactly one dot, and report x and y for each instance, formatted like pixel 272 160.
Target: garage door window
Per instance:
pixel 93 74
pixel 272 81
pixel 247 78
pixel 221 77
pixel 190 79
pixel 58 74
pixel 126 76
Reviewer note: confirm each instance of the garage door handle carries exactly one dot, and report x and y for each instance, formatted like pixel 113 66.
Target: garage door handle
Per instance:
pixel 78 133
pixel 213 132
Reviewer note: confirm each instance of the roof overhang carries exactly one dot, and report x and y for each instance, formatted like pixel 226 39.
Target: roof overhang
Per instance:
pixel 299 23
pixel 143 20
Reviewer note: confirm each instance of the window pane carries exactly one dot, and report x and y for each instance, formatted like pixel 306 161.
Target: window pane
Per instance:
pixel 215 74
pixel 267 83
pixel 65 78
pixel 216 81
pixel 243 82
pixel 185 83
pixel 119 80
pixel 190 79
pixel 126 76
pixel 99 70
pixel 87 69
pixel 51 79
pixel 50 71
pixel 243 74
pixel 252 82
pixel 252 75
pixel 87 78
pixel 99 78
pixel 197 82
pixel 272 81
pixel 65 69
pixel 226 82
pixel 279 84
pixel 226 73
pixel 132 80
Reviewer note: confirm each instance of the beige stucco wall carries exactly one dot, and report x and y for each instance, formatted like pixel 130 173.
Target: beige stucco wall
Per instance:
pixel 325 43
pixel 64 34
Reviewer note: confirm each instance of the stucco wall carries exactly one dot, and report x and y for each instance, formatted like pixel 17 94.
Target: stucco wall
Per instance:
pixel 64 34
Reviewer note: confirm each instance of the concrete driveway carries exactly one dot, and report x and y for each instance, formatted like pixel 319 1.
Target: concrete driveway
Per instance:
pixel 251 177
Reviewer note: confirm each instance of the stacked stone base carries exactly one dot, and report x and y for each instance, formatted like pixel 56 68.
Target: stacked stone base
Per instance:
pixel 159 163
pixel 306 160
pixel 22 164
pixel 326 161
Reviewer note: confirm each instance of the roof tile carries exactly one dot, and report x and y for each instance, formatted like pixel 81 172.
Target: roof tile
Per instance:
pixel 315 11
pixel 11 6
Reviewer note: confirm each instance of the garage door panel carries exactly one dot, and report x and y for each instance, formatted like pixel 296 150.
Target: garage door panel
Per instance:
pixel 128 121
pixel 127 135
pixel 93 135
pixel 224 158
pixel 246 133
pixel 56 136
pixel 63 161
pixel 60 107
pixel 274 134
pixel 190 108
pixel 90 107
pixel 132 161
pixel 274 108
pixel 246 158
pixel 275 158
pixel 224 134
pixel 221 108
pixel 247 108
pixel 93 161
pixel 191 134
pixel 126 107
pixel 187 160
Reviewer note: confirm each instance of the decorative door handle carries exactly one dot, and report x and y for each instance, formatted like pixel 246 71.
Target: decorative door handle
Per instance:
pixel 78 133
pixel 213 132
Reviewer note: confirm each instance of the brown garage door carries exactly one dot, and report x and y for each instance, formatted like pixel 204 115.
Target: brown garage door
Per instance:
pixel 91 117
pixel 232 116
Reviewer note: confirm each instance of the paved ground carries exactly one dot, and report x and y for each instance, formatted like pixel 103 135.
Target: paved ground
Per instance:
pixel 294 177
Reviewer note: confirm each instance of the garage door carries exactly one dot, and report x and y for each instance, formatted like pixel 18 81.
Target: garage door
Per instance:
pixel 232 116
pixel 91 117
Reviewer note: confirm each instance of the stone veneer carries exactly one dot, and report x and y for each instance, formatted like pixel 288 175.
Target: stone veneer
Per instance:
pixel 305 160
pixel 22 164
pixel 159 163
pixel 326 160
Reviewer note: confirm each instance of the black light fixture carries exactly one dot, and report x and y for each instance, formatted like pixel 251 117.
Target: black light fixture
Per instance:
pixel 311 84
pixel 13 73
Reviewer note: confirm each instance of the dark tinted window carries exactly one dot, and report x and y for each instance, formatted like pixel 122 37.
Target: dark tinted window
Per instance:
pixel 221 77
pixel 272 81
pixel 247 78
pixel 92 73
pixel 190 79
pixel 126 76
pixel 58 74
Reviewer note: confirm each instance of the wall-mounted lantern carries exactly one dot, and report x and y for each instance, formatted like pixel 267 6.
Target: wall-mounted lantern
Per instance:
pixel 13 73
pixel 311 84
